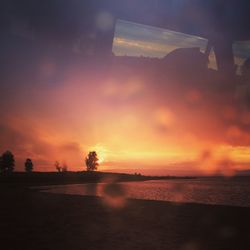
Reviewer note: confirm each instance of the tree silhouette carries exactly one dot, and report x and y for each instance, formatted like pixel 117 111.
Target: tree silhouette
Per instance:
pixel 58 167
pixel 7 162
pixel 92 161
pixel 28 165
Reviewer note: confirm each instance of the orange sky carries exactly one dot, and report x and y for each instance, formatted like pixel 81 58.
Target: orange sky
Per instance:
pixel 133 122
pixel 58 108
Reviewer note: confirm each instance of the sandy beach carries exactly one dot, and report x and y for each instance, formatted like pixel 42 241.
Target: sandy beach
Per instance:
pixel 35 220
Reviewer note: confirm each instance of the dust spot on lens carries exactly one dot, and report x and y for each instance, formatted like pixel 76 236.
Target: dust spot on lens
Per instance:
pixel 113 194
pixel 233 132
pixel 194 96
pixel 229 112
pixel 104 21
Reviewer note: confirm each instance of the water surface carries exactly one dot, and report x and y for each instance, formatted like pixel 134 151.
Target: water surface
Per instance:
pixel 204 190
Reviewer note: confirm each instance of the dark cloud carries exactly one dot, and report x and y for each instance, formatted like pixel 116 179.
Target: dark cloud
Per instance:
pixel 25 144
pixel 28 144
pixel 72 147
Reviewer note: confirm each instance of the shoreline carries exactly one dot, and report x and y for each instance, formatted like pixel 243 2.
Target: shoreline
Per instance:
pixel 63 178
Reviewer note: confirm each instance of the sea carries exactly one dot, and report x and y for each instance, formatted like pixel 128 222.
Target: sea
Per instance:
pixel 216 191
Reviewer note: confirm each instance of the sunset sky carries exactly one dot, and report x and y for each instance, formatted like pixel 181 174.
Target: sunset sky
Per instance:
pixel 55 107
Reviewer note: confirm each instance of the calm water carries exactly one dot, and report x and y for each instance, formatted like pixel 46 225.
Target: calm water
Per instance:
pixel 207 191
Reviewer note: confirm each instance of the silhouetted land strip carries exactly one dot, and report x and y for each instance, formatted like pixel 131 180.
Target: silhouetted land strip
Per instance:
pixel 54 178
pixel 34 220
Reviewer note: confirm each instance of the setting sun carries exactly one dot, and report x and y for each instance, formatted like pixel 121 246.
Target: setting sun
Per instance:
pixel 101 153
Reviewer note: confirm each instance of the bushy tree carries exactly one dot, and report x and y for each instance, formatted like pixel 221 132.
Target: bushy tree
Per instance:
pixel 92 161
pixel 28 165
pixel 7 162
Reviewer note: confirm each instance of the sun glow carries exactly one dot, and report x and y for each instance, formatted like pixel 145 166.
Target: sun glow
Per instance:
pixel 101 153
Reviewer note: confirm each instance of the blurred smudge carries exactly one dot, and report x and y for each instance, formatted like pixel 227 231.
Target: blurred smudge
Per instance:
pixel 194 96
pixel 233 132
pixel 104 21
pixel 210 162
pixel 113 194
pixel 229 113
pixel 164 118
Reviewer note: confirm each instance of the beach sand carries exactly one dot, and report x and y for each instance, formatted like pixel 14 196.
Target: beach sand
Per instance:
pixel 35 220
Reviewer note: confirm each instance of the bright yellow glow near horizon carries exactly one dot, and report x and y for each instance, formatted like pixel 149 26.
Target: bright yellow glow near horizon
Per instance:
pixel 132 113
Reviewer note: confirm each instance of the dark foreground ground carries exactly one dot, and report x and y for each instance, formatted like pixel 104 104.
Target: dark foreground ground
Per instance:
pixel 34 220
